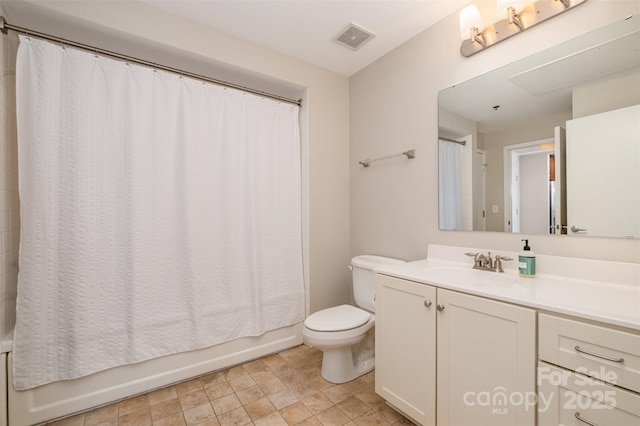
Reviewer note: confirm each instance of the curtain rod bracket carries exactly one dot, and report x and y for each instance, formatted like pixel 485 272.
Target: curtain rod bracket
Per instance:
pixel 3 28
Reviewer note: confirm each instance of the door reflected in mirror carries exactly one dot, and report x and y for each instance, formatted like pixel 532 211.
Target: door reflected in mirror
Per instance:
pixel 551 142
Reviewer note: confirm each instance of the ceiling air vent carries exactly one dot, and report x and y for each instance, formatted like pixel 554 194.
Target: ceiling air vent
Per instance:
pixel 354 37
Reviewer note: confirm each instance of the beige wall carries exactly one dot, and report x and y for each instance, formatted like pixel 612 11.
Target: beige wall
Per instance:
pixel 325 112
pixel 606 96
pixel 393 105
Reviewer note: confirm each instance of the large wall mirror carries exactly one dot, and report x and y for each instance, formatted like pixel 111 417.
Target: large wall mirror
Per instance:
pixel 549 144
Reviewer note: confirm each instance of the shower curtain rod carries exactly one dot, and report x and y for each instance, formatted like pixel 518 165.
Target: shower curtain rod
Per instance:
pixel 4 26
pixel 451 140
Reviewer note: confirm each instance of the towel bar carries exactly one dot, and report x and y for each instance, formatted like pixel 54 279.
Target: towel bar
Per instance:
pixel 410 154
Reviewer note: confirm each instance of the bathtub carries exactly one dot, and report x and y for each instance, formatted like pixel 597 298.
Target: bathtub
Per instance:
pixel 32 406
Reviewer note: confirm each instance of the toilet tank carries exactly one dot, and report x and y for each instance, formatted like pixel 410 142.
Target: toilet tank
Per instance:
pixel 364 279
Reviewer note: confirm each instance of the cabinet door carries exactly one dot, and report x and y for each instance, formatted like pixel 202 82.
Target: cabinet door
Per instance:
pixel 486 362
pixel 405 347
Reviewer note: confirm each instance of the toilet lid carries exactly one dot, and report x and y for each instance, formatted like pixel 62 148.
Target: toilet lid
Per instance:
pixel 338 318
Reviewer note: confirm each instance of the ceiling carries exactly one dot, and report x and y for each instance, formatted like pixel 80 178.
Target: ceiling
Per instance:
pixel 306 29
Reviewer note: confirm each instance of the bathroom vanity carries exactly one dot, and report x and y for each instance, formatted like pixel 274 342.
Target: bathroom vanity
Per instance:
pixel 459 346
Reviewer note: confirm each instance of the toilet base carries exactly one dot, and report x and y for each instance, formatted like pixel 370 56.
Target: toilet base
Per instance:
pixel 338 366
pixel 343 364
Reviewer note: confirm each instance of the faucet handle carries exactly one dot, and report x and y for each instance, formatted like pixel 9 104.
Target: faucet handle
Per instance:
pixel 476 258
pixel 498 257
pixel 498 262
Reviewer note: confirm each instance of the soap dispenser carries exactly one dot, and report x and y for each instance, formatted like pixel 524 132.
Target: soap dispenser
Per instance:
pixel 527 261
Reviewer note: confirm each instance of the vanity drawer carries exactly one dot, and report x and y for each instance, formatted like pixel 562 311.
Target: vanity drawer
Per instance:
pixel 569 399
pixel 598 351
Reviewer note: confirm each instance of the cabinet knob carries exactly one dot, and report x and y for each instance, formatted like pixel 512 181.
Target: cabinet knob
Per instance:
pixel 440 307
pixel 427 303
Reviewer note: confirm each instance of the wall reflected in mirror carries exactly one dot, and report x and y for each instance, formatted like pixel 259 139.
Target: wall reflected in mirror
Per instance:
pixel 549 144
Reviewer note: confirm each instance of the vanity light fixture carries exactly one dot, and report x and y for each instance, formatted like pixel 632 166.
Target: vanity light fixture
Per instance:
pixel 471 25
pixel 508 9
pixel 513 17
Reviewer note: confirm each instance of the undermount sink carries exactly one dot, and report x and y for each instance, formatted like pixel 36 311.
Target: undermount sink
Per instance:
pixel 460 275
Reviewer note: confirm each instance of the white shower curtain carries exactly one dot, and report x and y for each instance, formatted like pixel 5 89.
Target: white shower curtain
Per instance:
pixel 449 191
pixel 159 214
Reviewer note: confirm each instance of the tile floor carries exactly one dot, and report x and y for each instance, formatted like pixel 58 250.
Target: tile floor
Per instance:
pixel 280 389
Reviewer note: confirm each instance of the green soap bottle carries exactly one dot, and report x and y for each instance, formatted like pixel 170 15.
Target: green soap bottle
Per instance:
pixel 527 261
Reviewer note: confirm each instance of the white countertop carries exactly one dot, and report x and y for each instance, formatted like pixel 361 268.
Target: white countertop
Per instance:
pixel 614 301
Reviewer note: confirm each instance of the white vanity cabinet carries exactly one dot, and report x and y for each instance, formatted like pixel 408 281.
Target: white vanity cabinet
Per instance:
pixel 471 358
pixel 405 347
pixel 611 355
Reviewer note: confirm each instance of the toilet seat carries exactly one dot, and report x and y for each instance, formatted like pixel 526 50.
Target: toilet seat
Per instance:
pixel 338 318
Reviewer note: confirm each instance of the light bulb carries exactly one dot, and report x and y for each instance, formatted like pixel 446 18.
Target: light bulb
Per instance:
pixel 470 18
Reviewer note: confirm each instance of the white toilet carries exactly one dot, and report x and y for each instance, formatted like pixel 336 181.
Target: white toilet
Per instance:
pixel 345 333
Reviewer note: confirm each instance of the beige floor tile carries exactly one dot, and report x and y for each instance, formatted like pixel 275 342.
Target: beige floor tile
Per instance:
pixel 317 402
pixel 218 390
pixel 370 418
pixel 242 382
pixel 295 413
pixel 70 421
pixel 199 414
pixel 259 409
pixel 303 390
pixel 133 404
pixel 108 413
pixel 193 399
pixel 369 397
pixel 336 393
pixel 162 395
pixel 175 420
pixel 311 421
pixel 403 421
pixel 255 366
pixel 291 378
pixel 368 378
pixel 263 375
pixel 283 398
pixel 213 379
pixel 189 386
pixel 167 408
pixel 272 386
pixel 250 394
pixel 278 365
pixel 237 417
pixel 283 389
pixel 355 387
pixel 333 416
pixel 310 371
pixel 319 382
pixel 225 404
pixel 234 372
pixel 353 407
pixel 388 413
pixel 139 417
pixel 210 422
pixel 273 419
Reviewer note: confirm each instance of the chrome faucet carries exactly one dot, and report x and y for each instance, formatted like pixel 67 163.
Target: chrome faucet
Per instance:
pixel 486 263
